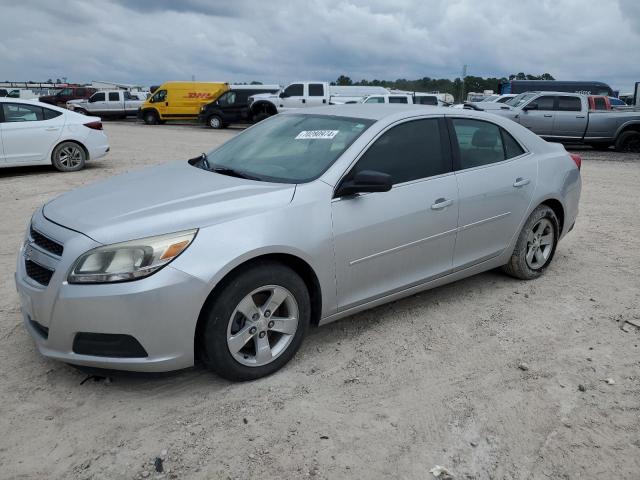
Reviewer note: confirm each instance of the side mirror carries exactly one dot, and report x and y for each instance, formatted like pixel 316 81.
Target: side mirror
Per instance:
pixel 365 182
pixel 530 106
pixel 92 99
pixel 283 95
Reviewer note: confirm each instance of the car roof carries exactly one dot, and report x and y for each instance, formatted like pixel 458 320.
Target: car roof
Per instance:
pixel 33 101
pixel 377 111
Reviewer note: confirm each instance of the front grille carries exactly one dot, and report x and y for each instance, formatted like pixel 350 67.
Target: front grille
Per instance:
pixel 38 273
pixel 46 243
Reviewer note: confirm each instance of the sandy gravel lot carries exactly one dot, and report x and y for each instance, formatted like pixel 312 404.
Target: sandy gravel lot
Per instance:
pixel 389 393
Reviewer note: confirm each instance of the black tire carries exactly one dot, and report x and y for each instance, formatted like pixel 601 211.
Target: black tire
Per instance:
pixel 258 117
pixel 69 157
pixel 215 122
pixel 214 350
pixel 628 141
pixel 601 146
pixel 518 265
pixel 150 117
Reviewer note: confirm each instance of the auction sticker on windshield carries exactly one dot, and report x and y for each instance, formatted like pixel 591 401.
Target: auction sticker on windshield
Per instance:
pixel 317 134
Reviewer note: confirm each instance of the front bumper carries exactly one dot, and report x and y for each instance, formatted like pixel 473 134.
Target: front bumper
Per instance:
pixel 160 312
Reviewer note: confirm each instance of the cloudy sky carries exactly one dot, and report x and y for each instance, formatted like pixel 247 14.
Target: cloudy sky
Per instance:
pixel 149 41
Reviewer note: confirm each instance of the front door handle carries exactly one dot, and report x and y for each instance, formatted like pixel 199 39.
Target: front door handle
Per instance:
pixel 51 129
pixel 579 116
pixel 441 203
pixel 548 115
pixel 521 182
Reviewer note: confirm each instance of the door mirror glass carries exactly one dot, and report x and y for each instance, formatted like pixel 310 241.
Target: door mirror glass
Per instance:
pixel 364 182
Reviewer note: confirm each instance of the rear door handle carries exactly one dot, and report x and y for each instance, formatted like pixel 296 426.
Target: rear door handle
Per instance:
pixel 548 115
pixel 441 203
pixel 51 129
pixel 521 182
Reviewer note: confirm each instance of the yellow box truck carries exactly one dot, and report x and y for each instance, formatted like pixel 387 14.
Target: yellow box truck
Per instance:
pixel 179 101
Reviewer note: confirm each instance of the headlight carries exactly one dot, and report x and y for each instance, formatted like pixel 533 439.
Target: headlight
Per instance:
pixel 129 260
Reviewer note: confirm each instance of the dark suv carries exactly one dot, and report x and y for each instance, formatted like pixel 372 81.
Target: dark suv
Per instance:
pixel 61 98
pixel 232 106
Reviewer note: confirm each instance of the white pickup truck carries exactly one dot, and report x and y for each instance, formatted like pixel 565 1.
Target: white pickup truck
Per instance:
pixel 417 98
pixel 107 103
pixel 308 94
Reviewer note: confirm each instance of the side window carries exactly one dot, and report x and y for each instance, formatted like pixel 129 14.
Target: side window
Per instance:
pixel 316 90
pixel 424 100
pixel 374 100
pixel 66 92
pixel 18 112
pixel 80 92
pixel 98 97
pixel 159 96
pixel 242 97
pixel 545 103
pixel 227 99
pixel 294 90
pixel 480 143
pixel 114 96
pixel 409 151
pixel 128 96
pixel 569 104
pixel 398 100
pixel 511 147
pixel 49 114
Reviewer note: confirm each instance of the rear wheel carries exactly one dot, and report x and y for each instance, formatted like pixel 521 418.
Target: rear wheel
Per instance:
pixel 68 157
pixel 256 323
pixel 535 246
pixel 629 142
pixel 150 117
pixel 215 122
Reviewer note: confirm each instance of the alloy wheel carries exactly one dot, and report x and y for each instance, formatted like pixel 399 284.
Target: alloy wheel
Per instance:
pixel 70 156
pixel 262 325
pixel 540 244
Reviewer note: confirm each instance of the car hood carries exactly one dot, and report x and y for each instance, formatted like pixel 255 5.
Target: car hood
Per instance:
pixel 164 199
pixel 264 96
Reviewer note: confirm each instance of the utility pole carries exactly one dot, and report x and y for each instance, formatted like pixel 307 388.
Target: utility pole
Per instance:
pixel 464 74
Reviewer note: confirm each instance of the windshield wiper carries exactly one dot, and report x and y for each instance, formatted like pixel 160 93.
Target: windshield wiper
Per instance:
pixel 232 172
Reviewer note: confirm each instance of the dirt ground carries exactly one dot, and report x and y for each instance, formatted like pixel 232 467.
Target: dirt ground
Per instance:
pixel 435 379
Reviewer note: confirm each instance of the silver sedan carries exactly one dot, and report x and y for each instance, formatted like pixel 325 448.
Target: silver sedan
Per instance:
pixel 302 219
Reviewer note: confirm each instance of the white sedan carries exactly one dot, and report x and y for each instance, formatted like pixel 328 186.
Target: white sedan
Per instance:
pixel 34 133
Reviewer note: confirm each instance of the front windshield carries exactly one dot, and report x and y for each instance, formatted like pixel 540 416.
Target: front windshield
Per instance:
pixel 288 148
pixel 520 99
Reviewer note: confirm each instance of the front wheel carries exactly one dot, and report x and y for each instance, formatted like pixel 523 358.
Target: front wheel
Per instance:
pixel 68 157
pixel 215 122
pixel 256 323
pixel 150 117
pixel 535 246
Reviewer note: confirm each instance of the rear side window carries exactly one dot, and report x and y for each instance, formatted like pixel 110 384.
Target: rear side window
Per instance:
pixel 114 96
pixel 18 112
pixel 49 114
pixel 398 100
pixel 545 103
pixel 569 104
pixel 479 143
pixel 409 151
pixel 316 90
pixel 511 147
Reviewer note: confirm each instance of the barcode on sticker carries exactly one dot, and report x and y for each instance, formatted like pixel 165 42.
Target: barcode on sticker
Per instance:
pixel 317 134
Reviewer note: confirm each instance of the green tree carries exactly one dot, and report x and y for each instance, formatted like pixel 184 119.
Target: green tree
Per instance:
pixel 343 80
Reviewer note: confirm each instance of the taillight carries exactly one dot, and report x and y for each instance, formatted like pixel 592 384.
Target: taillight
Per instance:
pixel 94 125
pixel 576 158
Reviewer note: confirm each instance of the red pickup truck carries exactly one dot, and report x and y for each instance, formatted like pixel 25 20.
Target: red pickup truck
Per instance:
pixel 61 97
